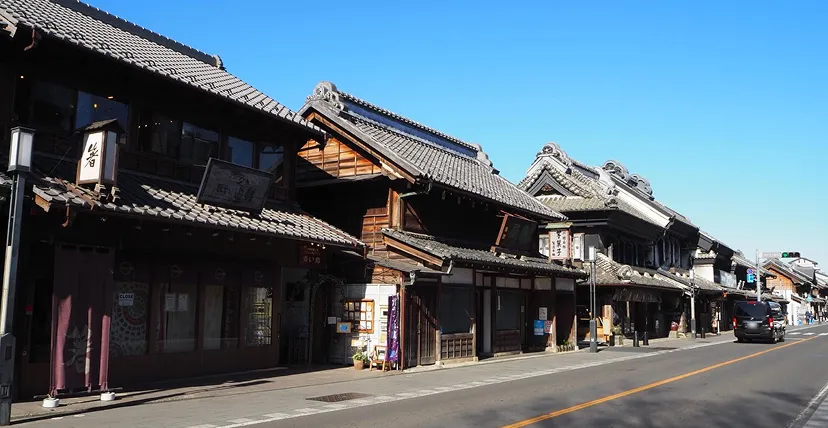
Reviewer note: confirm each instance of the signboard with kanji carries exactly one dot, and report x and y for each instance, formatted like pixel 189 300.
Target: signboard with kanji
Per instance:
pixel 559 244
pixel 311 256
pixel 237 187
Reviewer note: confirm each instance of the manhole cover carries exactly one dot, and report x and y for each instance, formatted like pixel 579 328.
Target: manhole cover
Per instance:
pixel 335 398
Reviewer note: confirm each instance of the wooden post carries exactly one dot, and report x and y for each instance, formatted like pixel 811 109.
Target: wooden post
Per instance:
pixel 403 325
pixel 438 345
pixel 474 318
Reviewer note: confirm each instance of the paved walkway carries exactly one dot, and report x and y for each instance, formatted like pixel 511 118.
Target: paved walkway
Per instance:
pixel 289 390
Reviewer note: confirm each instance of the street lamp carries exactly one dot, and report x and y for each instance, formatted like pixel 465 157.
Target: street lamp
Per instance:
pixel 593 326
pixel 20 162
pixel 692 304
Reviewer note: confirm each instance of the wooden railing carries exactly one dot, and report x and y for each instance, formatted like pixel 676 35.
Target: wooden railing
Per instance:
pixel 460 345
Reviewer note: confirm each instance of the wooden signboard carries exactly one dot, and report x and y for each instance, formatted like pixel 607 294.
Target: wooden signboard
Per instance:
pixel 517 233
pixel 237 187
pixel 311 256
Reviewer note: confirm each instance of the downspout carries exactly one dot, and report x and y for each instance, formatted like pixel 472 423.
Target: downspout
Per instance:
pixel 451 266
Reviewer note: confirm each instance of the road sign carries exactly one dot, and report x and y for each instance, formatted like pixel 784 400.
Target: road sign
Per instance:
pixel 751 278
pixel 776 255
pixel 751 271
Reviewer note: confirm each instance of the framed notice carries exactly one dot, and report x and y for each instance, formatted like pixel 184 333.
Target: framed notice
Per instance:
pixel 169 302
pixel 559 244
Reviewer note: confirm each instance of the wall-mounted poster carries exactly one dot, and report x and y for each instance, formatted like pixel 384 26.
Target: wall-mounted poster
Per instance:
pixel 542 314
pixel 343 327
pixel 539 327
pixel 169 302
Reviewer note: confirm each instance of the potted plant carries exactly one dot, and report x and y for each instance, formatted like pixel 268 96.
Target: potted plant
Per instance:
pixel 617 335
pixel 360 358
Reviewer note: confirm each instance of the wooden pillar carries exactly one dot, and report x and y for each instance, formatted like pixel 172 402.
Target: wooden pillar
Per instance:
pixel 552 339
pixel 438 334
pixel 403 326
pixel 474 317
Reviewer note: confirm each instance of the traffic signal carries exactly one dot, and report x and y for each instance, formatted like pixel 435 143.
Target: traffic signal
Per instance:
pixel 790 255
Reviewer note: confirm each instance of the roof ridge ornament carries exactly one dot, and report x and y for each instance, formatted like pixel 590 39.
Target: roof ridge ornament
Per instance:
pixel 482 157
pixel 625 272
pixel 326 91
pixel 635 181
pixel 552 149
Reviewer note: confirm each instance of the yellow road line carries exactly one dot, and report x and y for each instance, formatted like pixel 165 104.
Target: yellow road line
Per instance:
pixel 646 387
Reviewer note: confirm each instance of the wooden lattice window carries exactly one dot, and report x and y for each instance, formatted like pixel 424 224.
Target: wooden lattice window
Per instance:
pixel 361 314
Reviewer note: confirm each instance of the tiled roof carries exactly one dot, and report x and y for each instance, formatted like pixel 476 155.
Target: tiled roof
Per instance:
pixel 698 282
pixel 610 272
pixel 99 32
pixel 585 193
pixel 416 149
pixel 788 271
pixel 144 196
pixel 741 260
pixel 472 253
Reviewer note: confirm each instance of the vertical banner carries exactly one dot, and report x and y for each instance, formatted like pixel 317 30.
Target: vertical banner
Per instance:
pixel 392 349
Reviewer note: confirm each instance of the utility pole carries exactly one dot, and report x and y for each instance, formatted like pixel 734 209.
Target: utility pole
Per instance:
pixel 758 277
pixel 593 326
pixel 692 304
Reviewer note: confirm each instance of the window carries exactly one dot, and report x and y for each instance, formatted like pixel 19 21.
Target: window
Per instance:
pixel 177 331
pixel 455 310
pixel 259 307
pixel 221 317
pixel 270 159
pixel 45 106
pixel 130 318
pixel 240 151
pixel 159 134
pixel 92 108
pixel 198 145
pixel 361 314
pixel 544 244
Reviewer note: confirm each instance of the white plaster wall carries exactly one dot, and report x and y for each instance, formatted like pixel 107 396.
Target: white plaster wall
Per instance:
pixel 342 344
pixel 705 272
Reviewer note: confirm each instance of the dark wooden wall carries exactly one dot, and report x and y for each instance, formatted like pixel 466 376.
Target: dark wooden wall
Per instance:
pixel 446 217
pixel 336 160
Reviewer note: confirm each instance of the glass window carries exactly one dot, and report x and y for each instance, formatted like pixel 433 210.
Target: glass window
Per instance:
pixel 240 151
pixel 455 310
pixel 259 309
pixel 130 318
pixel 544 244
pixel 271 159
pixel 159 134
pixel 45 106
pixel 92 108
pixel 198 145
pixel 221 317
pixel 177 332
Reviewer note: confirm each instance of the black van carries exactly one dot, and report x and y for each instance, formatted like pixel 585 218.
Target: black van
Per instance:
pixel 758 320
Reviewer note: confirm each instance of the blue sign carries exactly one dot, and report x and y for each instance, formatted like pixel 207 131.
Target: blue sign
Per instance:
pixel 751 277
pixel 539 327
pixel 751 271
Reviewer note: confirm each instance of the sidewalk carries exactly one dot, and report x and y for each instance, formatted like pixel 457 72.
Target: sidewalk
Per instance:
pixel 290 387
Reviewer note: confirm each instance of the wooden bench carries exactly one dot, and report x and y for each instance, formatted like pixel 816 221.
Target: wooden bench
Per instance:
pixel 378 358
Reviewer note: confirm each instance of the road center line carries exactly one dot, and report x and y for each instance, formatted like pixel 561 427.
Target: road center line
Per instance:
pixel 646 387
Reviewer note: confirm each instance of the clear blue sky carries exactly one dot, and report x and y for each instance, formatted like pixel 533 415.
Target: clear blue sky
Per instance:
pixel 716 103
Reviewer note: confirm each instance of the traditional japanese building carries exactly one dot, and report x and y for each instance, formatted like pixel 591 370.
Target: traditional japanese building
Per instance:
pixel 164 248
pixel 448 234
pixel 796 281
pixel 645 248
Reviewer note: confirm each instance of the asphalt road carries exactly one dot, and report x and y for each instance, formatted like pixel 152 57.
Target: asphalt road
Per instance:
pixel 731 385
pixel 713 382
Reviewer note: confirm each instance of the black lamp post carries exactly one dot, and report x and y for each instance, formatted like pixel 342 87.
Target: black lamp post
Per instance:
pixel 20 163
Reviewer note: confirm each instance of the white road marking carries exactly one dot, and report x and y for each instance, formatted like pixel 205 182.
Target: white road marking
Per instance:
pixel 795 333
pixel 335 406
pixel 823 334
pixel 276 416
pixel 240 420
pixel 808 408
pixel 810 333
pixel 307 410
pixel 203 426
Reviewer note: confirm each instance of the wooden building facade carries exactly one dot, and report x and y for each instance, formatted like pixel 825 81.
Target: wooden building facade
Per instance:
pixel 644 249
pixel 141 280
pixel 433 210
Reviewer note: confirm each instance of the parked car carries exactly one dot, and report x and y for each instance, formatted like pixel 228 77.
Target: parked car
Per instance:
pixel 758 320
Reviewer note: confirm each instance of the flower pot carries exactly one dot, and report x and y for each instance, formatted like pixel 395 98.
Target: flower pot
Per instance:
pixel 359 364
pixel 50 403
